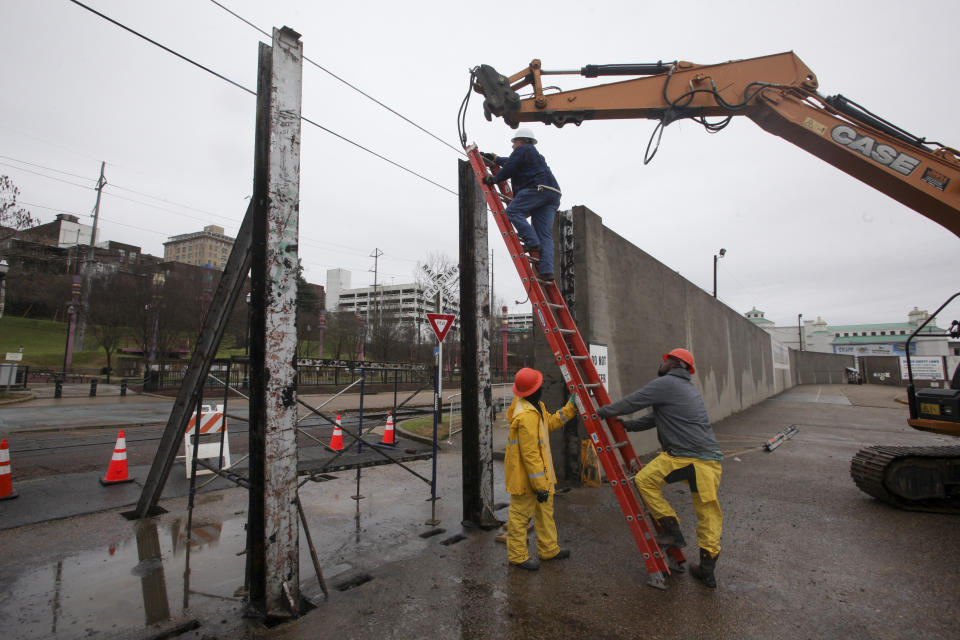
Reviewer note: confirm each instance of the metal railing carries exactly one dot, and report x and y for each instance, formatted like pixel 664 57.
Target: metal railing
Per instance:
pixel 500 403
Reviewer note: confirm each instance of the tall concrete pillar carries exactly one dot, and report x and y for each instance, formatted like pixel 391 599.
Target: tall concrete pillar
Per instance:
pixel 477 398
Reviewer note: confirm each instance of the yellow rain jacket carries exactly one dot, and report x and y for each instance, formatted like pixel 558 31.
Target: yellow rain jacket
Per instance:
pixel 528 464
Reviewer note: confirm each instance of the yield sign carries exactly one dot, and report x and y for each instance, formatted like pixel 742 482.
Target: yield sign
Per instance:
pixel 441 323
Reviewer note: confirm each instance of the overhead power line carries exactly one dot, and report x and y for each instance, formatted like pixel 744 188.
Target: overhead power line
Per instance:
pixel 254 93
pixel 355 88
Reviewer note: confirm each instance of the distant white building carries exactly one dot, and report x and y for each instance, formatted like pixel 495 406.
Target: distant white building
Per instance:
pixel 337 280
pixel 877 339
pixel 402 303
pixel 519 320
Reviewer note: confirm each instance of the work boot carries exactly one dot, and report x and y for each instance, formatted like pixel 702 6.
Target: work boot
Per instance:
pixel 533 252
pixel 546 277
pixel 704 572
pixel 671 536
pixel 561 555
pixel 530 564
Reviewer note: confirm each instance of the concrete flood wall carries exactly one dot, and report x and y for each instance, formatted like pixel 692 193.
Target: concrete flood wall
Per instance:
pixel 639 309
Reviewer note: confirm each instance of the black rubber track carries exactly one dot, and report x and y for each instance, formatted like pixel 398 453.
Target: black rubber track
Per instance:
pixel 869 468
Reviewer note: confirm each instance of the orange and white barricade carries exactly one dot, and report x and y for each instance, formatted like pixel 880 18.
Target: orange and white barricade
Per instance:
pixel 212 423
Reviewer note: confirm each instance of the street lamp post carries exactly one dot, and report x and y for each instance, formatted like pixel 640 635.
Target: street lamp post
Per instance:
pixel 716 259
pixel 800 329
pixel 504 329
pixel 4 268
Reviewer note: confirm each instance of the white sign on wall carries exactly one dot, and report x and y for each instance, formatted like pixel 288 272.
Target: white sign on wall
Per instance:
pixel 15 356
pixel 781 355
pixel 600 358
pixel 923 368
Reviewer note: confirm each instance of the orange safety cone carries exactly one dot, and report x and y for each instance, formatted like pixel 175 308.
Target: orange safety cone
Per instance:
pixel 6 483
pixel 117 472
pixel 336 441
pixel 388 438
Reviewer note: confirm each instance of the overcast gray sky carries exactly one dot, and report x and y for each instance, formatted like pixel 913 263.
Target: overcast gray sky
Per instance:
pixel 801 236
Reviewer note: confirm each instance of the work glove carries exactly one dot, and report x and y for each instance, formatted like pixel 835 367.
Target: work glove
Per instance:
pixel 492 157
pixel 575 400
pixel 489 180
pixel 543 496
pixel 633 425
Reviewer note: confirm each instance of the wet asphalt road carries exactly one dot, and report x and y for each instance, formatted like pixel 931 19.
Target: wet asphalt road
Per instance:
pixel 806 555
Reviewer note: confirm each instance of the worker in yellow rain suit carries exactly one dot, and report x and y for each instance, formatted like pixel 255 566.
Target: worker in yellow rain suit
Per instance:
pixel 690 454
pixel 529 471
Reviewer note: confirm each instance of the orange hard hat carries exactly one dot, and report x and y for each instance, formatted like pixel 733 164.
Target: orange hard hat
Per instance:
pixel 526 382
pixel 683 355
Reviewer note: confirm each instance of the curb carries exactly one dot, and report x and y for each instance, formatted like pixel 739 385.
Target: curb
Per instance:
pixel 498 454
pixel 32 396
pixel 413 436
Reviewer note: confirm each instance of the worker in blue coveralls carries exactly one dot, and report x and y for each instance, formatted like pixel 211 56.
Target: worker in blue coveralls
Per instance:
pixel 536 195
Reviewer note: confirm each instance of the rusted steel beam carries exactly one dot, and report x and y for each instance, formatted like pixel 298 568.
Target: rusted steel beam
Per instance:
pixel 477 399
pixel 231 283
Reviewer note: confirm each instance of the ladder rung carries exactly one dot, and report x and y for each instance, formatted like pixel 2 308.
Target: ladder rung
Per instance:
pixel 617 445
pixel 567 330
pixel 591 385
pixel 554 305
pixel 579 357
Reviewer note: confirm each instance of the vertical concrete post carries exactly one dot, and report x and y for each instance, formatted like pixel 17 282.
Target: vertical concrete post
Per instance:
pixel 273 528
pixel 283 225
pixel 477 398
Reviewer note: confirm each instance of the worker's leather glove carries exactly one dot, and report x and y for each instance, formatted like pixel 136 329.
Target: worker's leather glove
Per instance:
pixel 543 496
pixel 489 180
pixel 492 157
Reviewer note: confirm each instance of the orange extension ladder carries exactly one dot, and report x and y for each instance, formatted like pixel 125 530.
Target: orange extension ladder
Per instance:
pixel 576 366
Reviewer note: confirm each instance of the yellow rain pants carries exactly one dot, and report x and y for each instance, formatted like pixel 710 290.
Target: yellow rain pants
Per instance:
pixel 705 474
pixel 521 508
pixel 528 465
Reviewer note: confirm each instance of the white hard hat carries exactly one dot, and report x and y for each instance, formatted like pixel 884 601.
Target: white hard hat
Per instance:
pixel 523 132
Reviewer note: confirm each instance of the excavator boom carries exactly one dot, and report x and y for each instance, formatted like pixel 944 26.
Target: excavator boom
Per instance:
pixel 778 92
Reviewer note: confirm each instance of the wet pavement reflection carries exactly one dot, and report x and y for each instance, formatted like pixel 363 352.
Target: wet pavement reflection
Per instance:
pixel 96 590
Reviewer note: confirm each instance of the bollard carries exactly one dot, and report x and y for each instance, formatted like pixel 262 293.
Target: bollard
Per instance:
pixel 93 388
pixel 58 388
pixel 123 387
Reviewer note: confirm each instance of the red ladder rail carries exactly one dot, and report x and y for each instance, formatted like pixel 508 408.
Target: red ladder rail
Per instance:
pixel 581 377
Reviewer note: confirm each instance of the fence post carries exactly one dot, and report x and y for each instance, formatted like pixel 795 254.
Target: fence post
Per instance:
pixel 93 388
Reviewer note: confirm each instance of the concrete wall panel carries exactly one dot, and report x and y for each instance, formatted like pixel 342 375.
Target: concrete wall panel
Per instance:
pixel 640 308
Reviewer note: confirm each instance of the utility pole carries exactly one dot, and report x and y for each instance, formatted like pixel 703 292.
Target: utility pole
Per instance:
pixel 377 328
pixel 800 329
pixel 88 265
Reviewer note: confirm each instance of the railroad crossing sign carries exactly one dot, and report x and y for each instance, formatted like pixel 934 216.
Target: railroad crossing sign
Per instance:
pixel 439 280
pixel 441 323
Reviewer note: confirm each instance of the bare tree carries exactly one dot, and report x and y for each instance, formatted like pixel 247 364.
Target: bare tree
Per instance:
pixel 109 317
pixel 12 217
pixel 343 327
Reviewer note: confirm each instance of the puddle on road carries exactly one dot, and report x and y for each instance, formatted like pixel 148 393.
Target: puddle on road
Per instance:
pixel 132 584
pixel 134 587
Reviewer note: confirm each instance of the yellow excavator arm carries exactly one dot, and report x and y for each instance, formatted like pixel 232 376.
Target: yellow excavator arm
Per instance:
pixel 778 92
